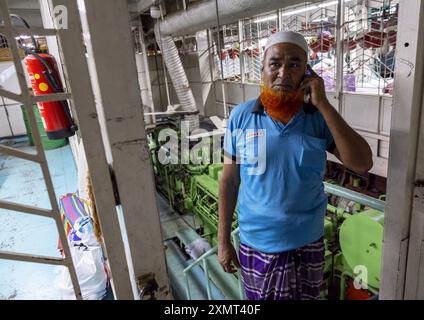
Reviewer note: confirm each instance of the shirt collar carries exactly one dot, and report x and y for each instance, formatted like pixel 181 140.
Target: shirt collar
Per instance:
pixel 259 108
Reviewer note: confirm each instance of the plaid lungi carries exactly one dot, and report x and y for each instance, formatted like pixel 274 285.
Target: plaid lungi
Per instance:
pixel 291 275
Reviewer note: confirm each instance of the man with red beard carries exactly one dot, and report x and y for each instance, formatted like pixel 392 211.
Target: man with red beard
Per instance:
pixel 275 150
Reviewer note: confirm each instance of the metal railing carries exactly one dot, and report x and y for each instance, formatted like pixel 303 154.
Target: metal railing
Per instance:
pixel 207 280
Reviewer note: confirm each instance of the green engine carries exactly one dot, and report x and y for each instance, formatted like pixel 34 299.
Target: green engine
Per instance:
pixel 353 240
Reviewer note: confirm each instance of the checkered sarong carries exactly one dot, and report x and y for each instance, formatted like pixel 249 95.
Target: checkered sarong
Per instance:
pixel 291 275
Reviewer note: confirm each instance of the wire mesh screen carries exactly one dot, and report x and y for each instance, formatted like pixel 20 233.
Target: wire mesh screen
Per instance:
pixel 227 53
pixel 317 23
pixel 370 30
pixel 255 34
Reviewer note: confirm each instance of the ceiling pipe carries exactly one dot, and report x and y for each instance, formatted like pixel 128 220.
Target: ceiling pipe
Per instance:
pixel 202 15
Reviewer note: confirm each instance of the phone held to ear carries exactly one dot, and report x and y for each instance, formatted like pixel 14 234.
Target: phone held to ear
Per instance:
pixel 307 97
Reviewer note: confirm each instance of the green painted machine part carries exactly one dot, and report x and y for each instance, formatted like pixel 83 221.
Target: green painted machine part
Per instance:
pixel 350 239
pixel 204 191
pixel 361 241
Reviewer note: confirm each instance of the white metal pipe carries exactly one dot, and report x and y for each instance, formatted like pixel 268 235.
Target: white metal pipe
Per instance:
pixel 146 96
pixel 224 101
pixel 340 52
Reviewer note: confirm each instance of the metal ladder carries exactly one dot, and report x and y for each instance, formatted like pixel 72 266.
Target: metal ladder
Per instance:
pixel 28 100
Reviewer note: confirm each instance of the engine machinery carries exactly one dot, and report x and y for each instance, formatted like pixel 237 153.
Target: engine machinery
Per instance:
pixel 353 233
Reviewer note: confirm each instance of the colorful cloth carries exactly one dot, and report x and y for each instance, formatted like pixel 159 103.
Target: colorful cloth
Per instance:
pixel 71 208
pixel 291 275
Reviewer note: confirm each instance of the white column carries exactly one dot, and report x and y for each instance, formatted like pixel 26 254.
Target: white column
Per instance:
pixel 403 249
pixel 72 53
pixel 114 59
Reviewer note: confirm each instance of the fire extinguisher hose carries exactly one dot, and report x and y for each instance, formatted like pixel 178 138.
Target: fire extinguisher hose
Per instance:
pixel 26 50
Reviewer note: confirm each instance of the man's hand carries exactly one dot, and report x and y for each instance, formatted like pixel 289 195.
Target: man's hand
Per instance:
pixel 227 257
pixel 315 85
pixel 351 149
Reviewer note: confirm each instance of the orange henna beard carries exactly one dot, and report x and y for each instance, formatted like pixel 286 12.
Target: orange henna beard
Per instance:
pixel 281 105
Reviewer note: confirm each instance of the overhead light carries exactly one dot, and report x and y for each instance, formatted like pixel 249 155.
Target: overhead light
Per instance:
pixel 25 37
pixel 297 11
pixel 289 13
pixel 331 3
pixel 312 7
pixel 155 12
pixel 268 18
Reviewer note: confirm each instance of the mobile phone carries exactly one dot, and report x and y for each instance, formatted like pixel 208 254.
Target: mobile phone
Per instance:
pixel 307 96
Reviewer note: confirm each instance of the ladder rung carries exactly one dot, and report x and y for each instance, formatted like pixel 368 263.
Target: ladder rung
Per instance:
pixel 32 258
pixel 4 204
pixel 11 95
pixel 19 154
pixel 51 97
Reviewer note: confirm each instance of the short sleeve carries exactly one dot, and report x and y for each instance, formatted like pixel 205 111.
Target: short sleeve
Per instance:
pixel 230 140
pixel 330 145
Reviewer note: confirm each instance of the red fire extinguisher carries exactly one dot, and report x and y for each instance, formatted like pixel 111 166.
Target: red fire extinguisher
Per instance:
pixel 44 75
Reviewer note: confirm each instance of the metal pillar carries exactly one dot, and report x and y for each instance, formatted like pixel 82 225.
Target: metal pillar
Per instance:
pixel 339 50
pixel 144 76
pixel 203 46
pixel 114 60
pixel 403 249
pixel 78 81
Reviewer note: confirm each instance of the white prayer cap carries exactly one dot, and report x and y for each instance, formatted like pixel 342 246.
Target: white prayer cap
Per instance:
pixel 287 37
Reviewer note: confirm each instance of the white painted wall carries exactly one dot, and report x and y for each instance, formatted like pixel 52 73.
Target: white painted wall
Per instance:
pixel 11 118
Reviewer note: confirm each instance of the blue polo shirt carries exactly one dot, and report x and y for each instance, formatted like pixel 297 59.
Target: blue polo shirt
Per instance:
pixel 281 200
